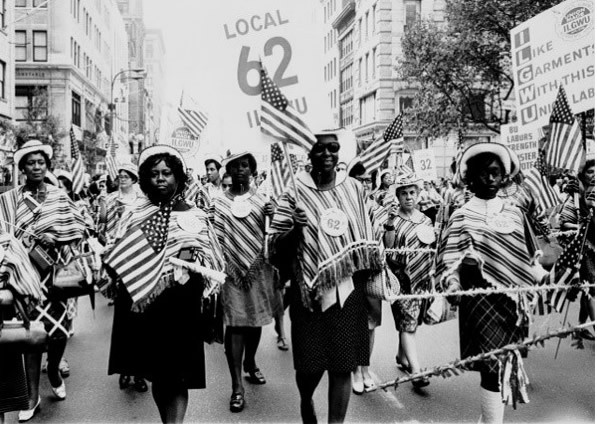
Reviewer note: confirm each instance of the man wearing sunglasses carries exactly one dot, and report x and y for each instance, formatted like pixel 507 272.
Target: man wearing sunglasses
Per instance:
pixel 324 231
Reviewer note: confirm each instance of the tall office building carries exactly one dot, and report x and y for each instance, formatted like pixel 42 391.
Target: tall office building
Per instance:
pixel 155 82
pixel 68 50
pixel 7 75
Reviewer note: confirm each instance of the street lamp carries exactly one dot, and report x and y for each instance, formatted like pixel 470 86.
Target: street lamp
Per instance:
pixel 138 73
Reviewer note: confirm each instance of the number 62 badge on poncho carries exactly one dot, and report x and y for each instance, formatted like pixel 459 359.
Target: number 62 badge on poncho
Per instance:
pixel 334 222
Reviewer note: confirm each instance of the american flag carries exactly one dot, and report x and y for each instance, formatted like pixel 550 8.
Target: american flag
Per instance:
pixel 373 156
pixel 280 171
pixel 456 180
pixel 564 149
pixel 111 159
pixel 77 166
pixel 194 120
pixel 407 168
pixel 393 134
pixel 538 185
pixel 565 271
pixel 279 119
pixel 138 257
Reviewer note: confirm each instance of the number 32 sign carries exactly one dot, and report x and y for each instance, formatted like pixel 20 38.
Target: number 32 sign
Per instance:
pixel 424 162
pixel 272 32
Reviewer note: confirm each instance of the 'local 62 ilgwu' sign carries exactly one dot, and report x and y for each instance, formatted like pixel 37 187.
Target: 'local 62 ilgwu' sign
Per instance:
pixel 184 141
pixel 556 47
pixel 283 36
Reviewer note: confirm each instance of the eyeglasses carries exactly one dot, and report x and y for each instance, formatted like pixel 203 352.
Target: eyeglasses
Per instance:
pixel 226 185
pixel 124 177
pixel 332 147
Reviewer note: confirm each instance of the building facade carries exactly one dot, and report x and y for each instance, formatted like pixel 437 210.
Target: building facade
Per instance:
pixel 7 89
pixel 155 83
pixel 67 52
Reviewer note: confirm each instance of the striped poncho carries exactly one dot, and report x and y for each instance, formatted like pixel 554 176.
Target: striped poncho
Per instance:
pixel 144 291
pixel 418 266
pixel 503 259
pixel 242 239
pixel 323 260
pixel 206 195
pixel 24 217
pixel 115 208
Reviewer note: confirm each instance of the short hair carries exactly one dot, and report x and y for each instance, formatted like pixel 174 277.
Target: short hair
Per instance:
pixel 587 165
pixel 479 162
pixel 252 163
pixel 173 162
pixel 357 169
pixel 215 162
pixel 41 152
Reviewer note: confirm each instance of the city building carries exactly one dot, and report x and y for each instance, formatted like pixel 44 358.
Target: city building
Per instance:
pixel 139 102
pixel 155 83
pixel 66 52
pixel 7 75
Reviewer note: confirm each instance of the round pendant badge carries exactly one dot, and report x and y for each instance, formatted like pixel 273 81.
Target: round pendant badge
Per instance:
pixel 240 208
pixel 425 234
pixel 190 223
pixel 500 223
pixel 334 222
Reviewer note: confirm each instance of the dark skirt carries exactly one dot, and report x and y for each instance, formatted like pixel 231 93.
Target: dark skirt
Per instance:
pixel 336 340
pixel 13 382
pixel 165 342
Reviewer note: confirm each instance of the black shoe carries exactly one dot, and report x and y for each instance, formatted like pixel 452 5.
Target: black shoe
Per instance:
pixel 140 385
pixel 405 368
pixel 420 382
pixel 237 402
pixel 124 381
pixel 256 377
pixel 586 334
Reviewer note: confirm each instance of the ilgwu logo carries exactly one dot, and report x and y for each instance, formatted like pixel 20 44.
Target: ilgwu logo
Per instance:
pixel 576 22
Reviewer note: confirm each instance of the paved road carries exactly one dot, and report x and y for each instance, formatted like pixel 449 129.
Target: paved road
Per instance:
pixel 562 390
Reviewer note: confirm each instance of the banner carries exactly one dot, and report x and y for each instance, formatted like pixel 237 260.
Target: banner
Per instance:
pixel 556 47
pixel 243 33
pixel 524 143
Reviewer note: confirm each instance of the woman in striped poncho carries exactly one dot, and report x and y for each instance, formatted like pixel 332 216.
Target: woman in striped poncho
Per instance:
pixel 323 236
pixel 249 296
pixel 409 228
pixel 485 246
pixel 37 213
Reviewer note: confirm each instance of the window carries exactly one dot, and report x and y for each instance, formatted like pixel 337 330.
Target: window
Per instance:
pixel 20 46
pixel 2 79
pixel 367 109
pixel 28 103
pixel 40 3
pixel 405 103
pixel 360 30
pixel 20 3
pixel 3 13
pixel 346 45
pixel 373 21
pixel 475 107
pixel 360 71
pixel 366 26
pixel 366 67
pixel 78 64
pixel 76 109
pixel 412 10
pixel 346 114
pixel 40 46
pixel 373 63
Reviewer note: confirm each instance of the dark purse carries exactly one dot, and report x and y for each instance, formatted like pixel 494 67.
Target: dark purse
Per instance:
pixel 21 336
pixel 41 259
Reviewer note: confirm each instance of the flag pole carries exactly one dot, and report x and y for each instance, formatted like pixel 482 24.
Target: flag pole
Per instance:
pixel 564 323
pixel 292 179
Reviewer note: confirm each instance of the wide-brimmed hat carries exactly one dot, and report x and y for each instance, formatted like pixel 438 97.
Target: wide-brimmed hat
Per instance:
pixel 497 149
pixel 406 180
pixel 157 149
pixel 130 168
pixel 514 162
pixel 234 156
pixel 61 173
pixel 32 146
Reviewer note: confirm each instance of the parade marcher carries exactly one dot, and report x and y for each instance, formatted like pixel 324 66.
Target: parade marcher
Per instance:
pixel 570 219
pixel 212 188
pixel 407 227
pixel 323 237
pixel 112 209
pixel 429 200
pixel 169 352
pixel 43 217
pixel 248 295
pixel 485 246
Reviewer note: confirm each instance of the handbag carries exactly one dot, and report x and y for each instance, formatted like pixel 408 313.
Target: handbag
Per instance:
pixel 41 259
pixel 21 335
pixel 212 314
pixel 439 310
pixel 383 285
pixel 69 275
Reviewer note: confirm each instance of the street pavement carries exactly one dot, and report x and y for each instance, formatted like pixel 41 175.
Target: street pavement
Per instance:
pixel 561 390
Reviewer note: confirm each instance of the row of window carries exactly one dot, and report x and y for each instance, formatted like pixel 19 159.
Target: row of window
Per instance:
pixel 328 9
pixel 346 114
pixel 2 13
pixel 90 69
pixel 34 3
pixel 329 40
pixel 369 61
pixel 346 45
pixel 39 46
pixel 367 25
pixel 333 97
pixel 330 70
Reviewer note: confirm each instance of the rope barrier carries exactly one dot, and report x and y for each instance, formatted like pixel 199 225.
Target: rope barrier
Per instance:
pixel 455 368
pixel 476 292
pixel 410 250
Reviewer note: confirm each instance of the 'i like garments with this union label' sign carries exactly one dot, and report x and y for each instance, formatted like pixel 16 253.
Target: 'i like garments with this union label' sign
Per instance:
pixel 286 36
pixel 556 47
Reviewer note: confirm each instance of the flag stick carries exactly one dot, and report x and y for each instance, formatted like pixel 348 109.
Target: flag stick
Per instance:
pixel 267 217
pixel 292 179
pixel 565 321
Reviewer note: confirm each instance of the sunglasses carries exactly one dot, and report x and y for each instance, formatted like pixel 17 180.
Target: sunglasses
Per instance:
pixel 332 147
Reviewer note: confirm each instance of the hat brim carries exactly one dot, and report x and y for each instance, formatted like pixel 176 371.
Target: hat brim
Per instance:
pixel 497 149
pixel 417 183
pixel 235 156
pixel 130 169
pixel 159 149
pixel 19 154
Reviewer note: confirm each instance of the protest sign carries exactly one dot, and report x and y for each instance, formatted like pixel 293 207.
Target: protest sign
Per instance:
pixel 424 163
pixel 554 48
pixel 524 143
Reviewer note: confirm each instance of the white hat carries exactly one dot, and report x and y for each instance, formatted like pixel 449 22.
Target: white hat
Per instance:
pixel 64 174
pixel 476 149
pixel 129 167
pixel 235 156
pixel 157 149
pixel 406 180
pixel 514 162
pixel 32 146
